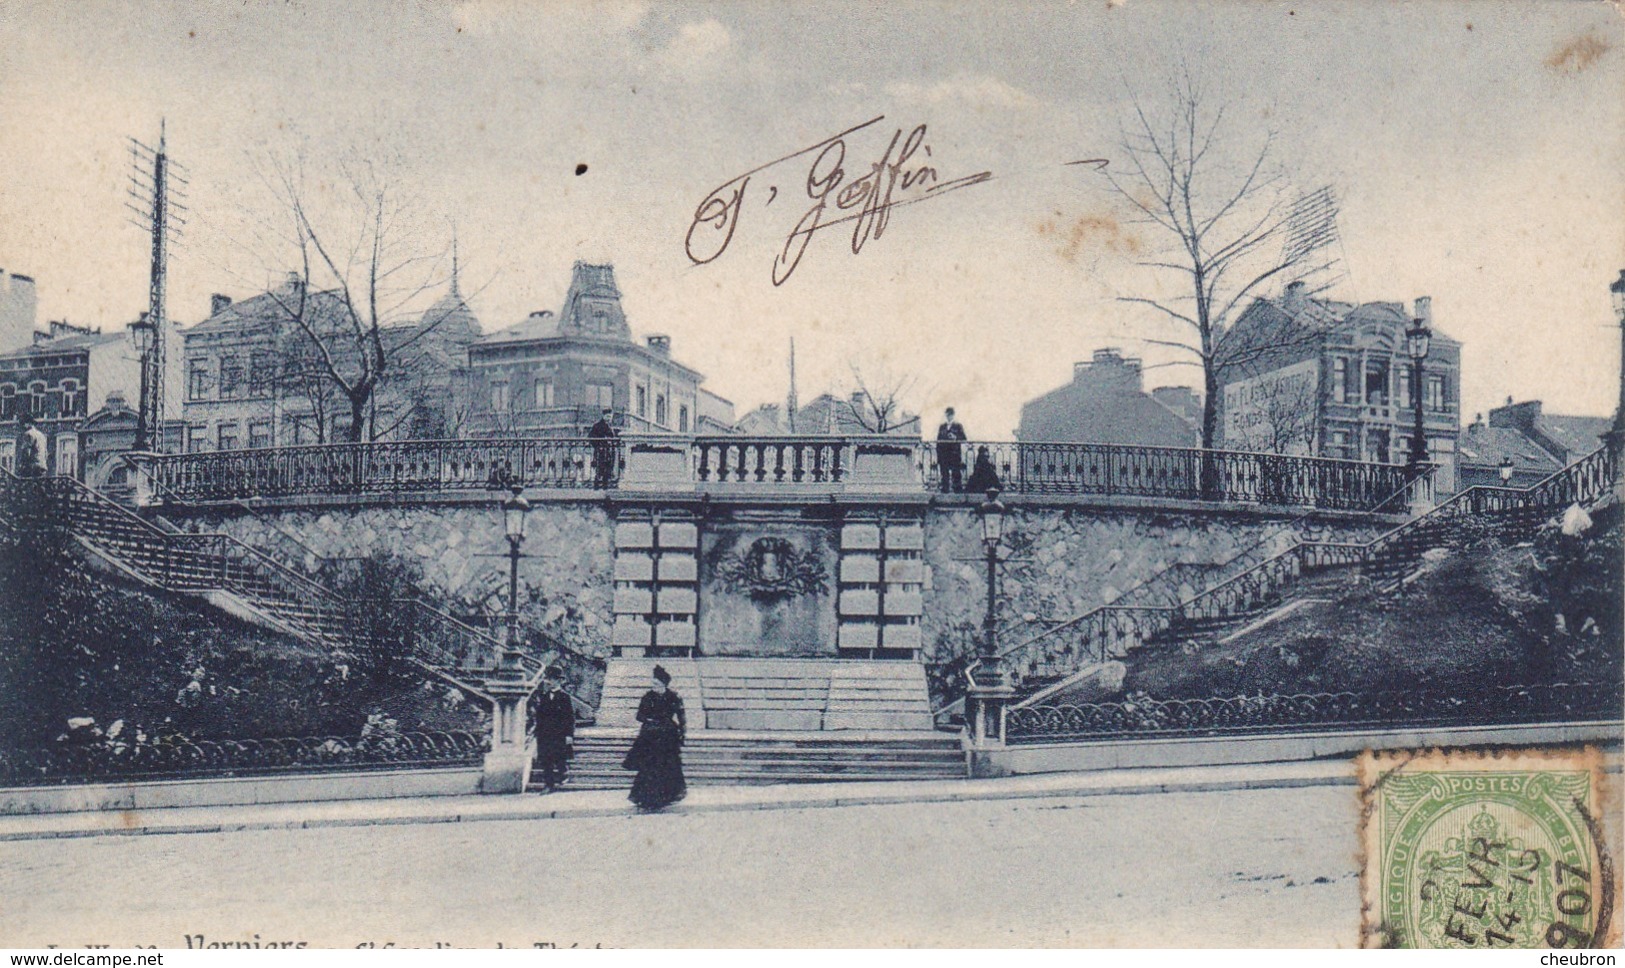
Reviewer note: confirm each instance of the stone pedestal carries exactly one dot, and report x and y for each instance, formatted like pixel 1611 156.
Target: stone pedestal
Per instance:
pixel 657 466
pixel 985 705
pixel 883 468
pixel 507 765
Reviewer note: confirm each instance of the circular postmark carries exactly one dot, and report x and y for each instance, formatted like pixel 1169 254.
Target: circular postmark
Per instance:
pixel 1485 856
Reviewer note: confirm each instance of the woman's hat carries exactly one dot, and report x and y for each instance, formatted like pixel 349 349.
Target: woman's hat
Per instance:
pixel 662 675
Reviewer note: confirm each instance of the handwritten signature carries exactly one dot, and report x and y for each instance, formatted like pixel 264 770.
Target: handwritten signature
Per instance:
pixel 862 198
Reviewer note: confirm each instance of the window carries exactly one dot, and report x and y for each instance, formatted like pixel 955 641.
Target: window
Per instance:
pixel 660 410
pixel 70 397
pixel 1377 446
pixel 682 419
pixel 259 433
pixel 8 455
pixel 8 401
pixel 1376 383
pixel 261 371
pixel 67 454
pixel 1433 396
pixel 1340 444
pixel 36 398
pixel 600 395
pixel 499 397
pixel 299 429
pixel 197 438
pixel 226 435
pixel 544 394
pixel 1403 391
pixel 197 380
pixel 1340 380
pixel 231 377
pixel 643 402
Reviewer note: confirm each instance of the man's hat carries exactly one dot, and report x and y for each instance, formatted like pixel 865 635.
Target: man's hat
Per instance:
pixel 553 672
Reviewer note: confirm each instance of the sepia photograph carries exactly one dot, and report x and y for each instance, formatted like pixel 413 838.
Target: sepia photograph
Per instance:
pixel 609 474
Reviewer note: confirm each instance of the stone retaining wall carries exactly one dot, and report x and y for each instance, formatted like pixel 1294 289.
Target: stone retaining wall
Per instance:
pixel 1066 560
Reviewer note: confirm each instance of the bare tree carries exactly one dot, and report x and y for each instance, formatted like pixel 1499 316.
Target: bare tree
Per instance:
pixel 361 266
pixel 876 403
pixel 1227 216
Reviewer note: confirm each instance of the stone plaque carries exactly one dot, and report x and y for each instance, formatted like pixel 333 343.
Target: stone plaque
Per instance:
pixel 767 589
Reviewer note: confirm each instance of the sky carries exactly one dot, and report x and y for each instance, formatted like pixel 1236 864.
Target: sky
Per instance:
pixel 1477 150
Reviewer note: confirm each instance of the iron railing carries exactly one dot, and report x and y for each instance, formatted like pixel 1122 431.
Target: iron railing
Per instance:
pixel 1241 715
pixel 1180 473
pixel 178 758
pixel 408 629
pixel 386 467
pixel 390 467
pixel 1257 576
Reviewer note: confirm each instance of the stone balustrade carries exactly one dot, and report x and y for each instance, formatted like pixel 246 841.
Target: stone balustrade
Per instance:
pixel 785 465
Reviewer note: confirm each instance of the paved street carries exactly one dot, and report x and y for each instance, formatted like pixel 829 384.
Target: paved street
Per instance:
pixel 1255 867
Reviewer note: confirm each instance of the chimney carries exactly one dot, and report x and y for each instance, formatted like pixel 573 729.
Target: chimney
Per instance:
pixel 1424 310
pixel 1295 298
pixel 660 344
pixel 218 304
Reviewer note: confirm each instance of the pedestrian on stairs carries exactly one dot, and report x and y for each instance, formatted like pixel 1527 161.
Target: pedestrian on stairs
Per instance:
pixel 31 449
pixel 555 729
pixel 656 754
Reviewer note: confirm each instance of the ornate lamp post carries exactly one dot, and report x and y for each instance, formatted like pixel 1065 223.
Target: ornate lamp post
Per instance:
pixel 508 763
pixel 1417 338
pixel 1506 471
pixel 990 689
pixel 514 510
pixel 143 333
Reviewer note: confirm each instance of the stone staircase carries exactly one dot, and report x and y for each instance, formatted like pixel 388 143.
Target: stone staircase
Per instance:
pixel 244 581
pixel 777 694
pixel 777 720
pixel 715 757
pixel 1248 590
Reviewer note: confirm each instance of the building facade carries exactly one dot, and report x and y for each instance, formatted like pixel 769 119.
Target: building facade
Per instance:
pixel 556 373
pixel 1534 443
pixel 66 373
pixel 19 307
pixel 1302 375
pixel 1106 403
pixel 253 377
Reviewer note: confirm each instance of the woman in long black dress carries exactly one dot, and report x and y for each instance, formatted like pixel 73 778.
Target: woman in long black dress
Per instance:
pixel 657 752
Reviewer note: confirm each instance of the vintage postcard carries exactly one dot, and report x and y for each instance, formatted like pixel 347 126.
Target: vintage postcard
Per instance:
pixel 578 473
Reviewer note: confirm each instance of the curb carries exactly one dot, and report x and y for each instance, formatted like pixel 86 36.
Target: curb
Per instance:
pixel 1081 785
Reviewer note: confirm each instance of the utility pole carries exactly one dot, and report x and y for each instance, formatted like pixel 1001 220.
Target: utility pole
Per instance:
pixel 155 190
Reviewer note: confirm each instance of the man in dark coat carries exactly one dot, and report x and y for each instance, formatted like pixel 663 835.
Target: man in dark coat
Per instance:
pixel 603 437
pixel 555 729
pixel 31 448
pixel 950 455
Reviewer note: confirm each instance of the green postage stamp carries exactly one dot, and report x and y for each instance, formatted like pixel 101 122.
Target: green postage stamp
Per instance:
pixel 1484 850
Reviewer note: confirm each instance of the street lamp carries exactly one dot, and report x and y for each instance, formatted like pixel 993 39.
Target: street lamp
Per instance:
pixel 143 334
pixel 514 510
pixel 1506 471
pixel 989 691
pixel 991 511
pixel 1417 338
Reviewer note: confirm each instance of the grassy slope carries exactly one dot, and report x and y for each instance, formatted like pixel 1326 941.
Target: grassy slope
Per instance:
pixel 79 642
pixel 1482 617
